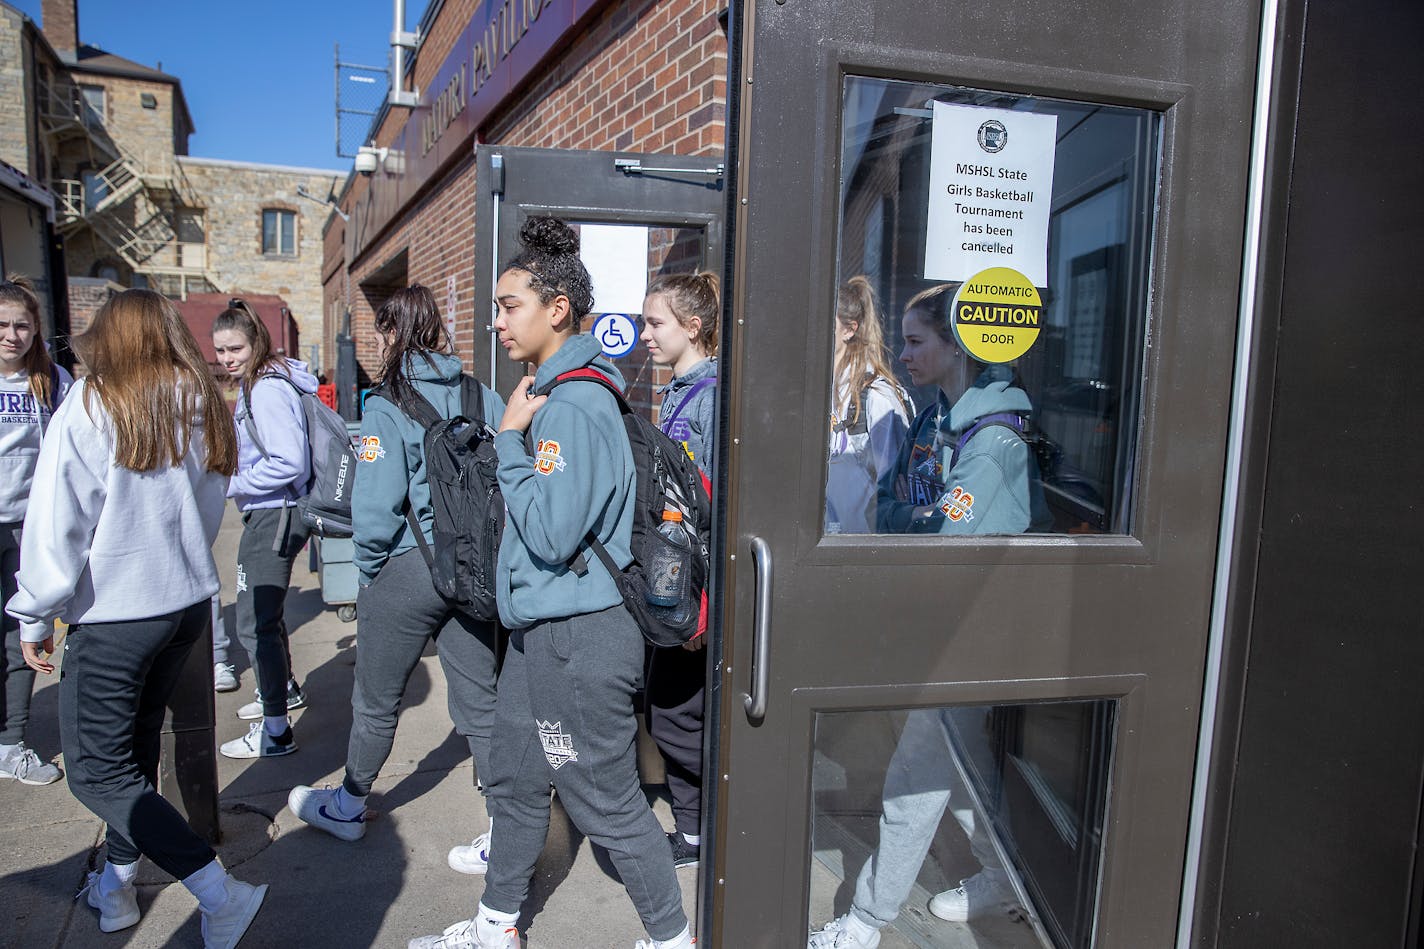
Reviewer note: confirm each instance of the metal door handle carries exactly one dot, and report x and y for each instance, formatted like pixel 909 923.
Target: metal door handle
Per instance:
pixel 755 702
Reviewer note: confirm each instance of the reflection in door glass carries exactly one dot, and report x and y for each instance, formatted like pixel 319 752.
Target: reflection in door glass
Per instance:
pixel 1016 863
pixel 669 250
pixel 990 312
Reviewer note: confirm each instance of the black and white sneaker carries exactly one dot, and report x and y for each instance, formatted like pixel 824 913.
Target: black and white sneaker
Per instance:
pixel 257 743
pixel 296 699
pixel 684 854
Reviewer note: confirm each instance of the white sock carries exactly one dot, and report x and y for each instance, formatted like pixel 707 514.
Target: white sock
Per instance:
pixel 209 885
pixel 348 805
pixel 489 924
pixel 681 940
pixel 862 932
pixel 116 877
pixel 693 840
pixel 276 724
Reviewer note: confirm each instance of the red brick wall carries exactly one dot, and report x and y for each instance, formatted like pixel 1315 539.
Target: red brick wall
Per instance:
pixel 646 75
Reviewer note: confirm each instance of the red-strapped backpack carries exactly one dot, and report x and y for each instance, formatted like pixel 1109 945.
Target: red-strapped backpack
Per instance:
pixel 667 478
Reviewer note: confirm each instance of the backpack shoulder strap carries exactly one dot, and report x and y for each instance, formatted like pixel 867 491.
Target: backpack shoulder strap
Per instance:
pixel 591 375
pixel 1008 420
pixel 417 408
pixel 697 387
pixel 472 399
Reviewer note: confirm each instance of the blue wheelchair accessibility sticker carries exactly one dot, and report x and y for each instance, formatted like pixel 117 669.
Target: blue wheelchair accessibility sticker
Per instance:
pixel 617 333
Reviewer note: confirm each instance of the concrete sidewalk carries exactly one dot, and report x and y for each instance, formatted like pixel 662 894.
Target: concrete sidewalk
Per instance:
pixel 379 891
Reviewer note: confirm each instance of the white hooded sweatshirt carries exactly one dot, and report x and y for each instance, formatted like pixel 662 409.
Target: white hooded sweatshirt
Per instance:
pixel 105 544
pixel 22 426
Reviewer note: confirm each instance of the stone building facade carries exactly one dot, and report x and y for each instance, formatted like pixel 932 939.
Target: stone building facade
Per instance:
pixel 109 138
pixel 639 75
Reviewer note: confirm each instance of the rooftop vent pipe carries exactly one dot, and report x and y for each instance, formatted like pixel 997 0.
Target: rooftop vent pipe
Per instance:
pixel 400 42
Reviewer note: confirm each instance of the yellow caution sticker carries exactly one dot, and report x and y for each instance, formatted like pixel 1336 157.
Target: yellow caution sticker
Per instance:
pixel 997 315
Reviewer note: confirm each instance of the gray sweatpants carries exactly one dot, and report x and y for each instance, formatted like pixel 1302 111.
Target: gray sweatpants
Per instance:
pixel 396 615
pixel 565 714
pixel 263 575
pixel 17 680
pixel 920 783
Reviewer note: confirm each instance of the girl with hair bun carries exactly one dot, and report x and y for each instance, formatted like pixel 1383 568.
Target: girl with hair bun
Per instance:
pixel 128 497
pixel 870 411
pixel 564 713
pixel 273 471
pixel 31 388
pixel 680 319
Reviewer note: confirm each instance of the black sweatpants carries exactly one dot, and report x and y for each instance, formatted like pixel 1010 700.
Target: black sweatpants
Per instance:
pixel 263 575
pixel 114 686
pixel 677 688
pixel 17 680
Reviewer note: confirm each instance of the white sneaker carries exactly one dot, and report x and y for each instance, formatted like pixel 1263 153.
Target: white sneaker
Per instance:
pixel 983 893
pixel 474 858
pixel 224 677
pixel 26 767
pixel 843 933
pixel 684 940
pixel 477 933
pixel 296 699
pixel 117 910
pixel 317 807
pixel 224 929
pixel 257 743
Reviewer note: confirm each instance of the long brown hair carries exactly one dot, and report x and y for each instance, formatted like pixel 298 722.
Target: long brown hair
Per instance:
pixel 693 295
pixel 865 353
pixel 240 316
pixel 146 369
pixel 411 319
pixel 19 291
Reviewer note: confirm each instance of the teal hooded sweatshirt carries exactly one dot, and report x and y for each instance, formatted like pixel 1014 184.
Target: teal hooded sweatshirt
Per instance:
pixel 391 466
pixel 580 480
pixel 993 487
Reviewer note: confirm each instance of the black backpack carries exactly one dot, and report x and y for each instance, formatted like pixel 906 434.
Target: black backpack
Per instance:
pixel 460 465
pixel 666 478
pixel 331 459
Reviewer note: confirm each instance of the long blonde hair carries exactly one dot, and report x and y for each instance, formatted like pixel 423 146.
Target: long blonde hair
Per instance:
pixel 146 370
pixel 865 353
pixel 19 291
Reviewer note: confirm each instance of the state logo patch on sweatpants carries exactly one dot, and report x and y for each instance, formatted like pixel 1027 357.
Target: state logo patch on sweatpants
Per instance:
pixel 558 746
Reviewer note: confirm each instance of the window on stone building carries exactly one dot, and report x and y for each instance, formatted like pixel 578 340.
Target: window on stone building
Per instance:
pixel 279 231
pixel 94 99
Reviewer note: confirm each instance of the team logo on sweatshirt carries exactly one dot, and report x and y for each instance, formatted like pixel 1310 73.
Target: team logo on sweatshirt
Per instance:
pixel 558 746
pixel 371 448
pixel 957 505
pixel 546 457
pixel 19 407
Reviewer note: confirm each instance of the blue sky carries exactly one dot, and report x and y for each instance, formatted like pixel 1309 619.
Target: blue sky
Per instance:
pixel 258 74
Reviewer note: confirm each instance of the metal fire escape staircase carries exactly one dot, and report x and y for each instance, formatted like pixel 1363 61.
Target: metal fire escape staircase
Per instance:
pixel 130 211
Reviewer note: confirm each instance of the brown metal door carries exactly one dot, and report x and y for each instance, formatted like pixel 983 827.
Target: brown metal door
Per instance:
pixel 1056 669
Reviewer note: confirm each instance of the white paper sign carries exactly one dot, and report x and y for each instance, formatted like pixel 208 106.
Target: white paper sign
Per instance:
pixel 991 189
pixel 616 256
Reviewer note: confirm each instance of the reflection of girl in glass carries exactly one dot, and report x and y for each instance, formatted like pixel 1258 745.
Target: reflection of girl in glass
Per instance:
pixel 965 468
pixel 869 412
